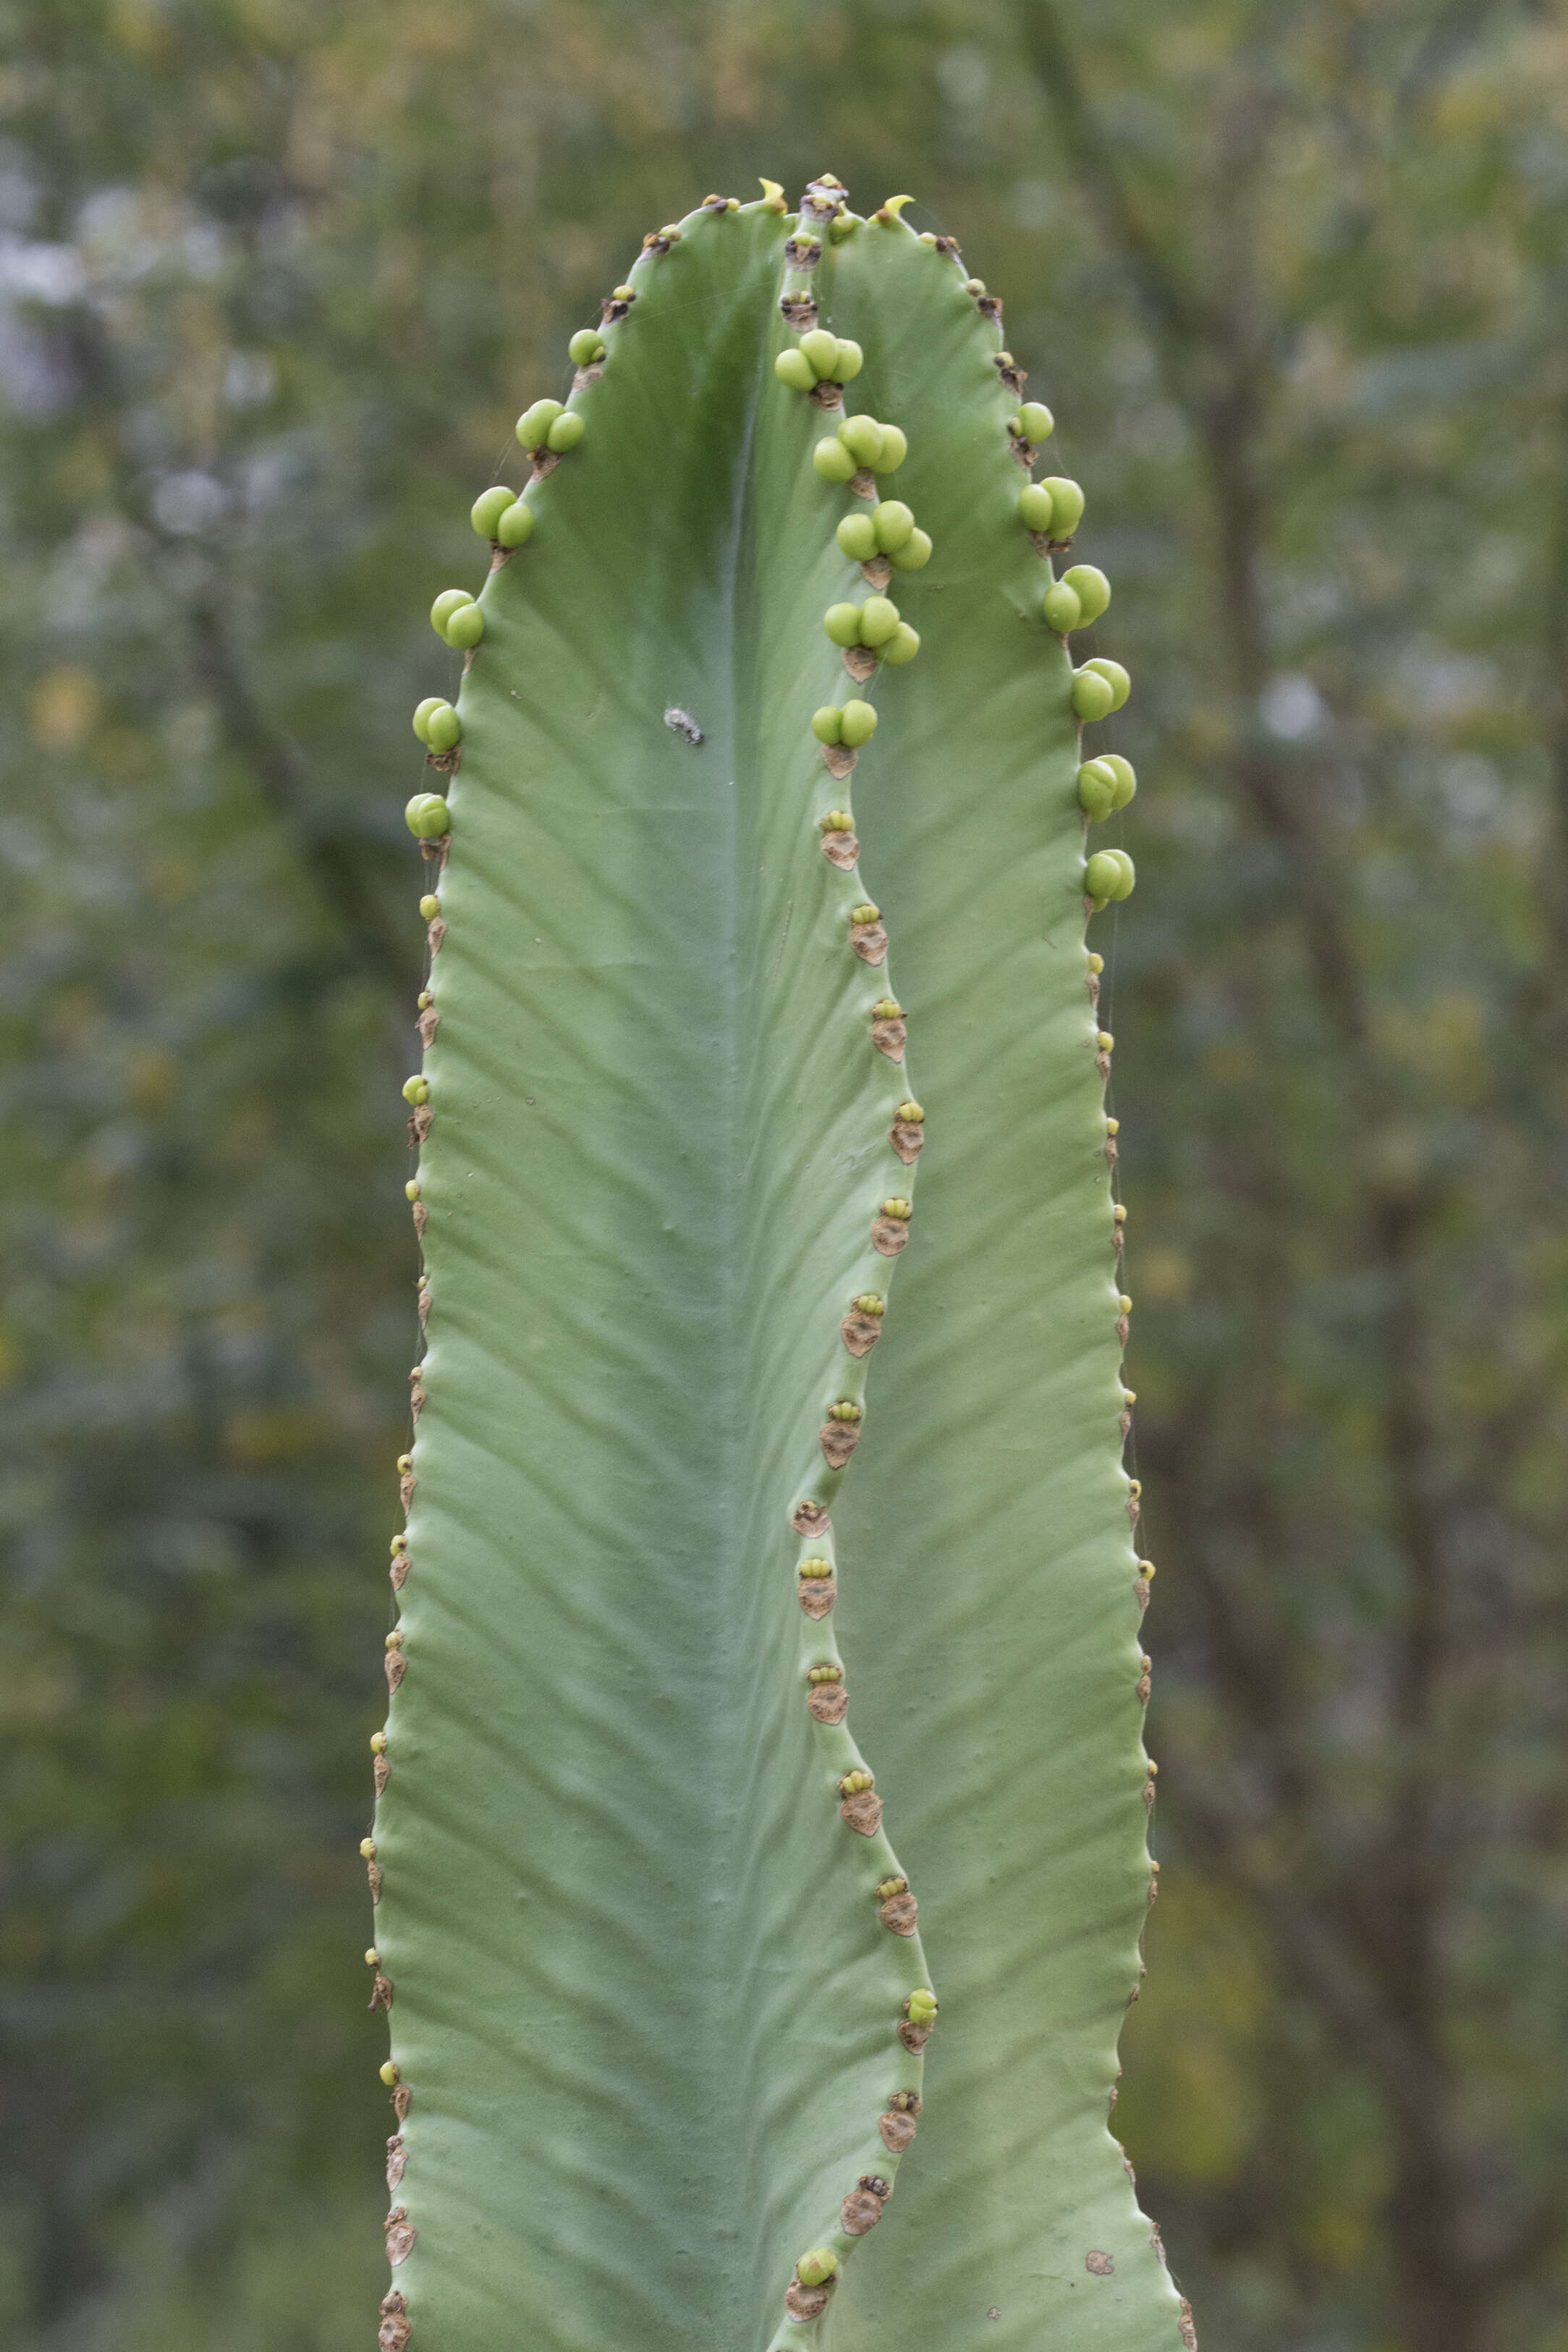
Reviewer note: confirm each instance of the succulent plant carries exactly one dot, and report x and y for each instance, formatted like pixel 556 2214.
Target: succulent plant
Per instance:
pixel 664 2034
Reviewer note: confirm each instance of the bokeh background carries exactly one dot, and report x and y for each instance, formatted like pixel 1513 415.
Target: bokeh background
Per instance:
pixel 276 276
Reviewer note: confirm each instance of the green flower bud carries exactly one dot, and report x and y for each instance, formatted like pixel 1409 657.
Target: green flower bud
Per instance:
pixel 815 1567
pixel 915 553
pixel 466 626
pixel 1108 875
pixel 828 724
pixel 893 450
pixel 427 816
pixel 585 347
pixel 488 507
pixel 818 2267
pixel 411 1192
pixel 1061 608
pixel 887 1008
pixel 856 535
pixel 921 2006
pixel 443 729
pixel 849 363
pixel 1090 587
pixel 858 724
pixel 1093 697
pixel 1035 421
pixel 416 1090
pixel 793 368
pixel 377 1743
pixel 824 1674
pixel 445 604
pixel 1127 781
pixel 1036 508
pixel 422 715
pixel 535 423
pixel 878 620
pixel 897 1205
pixel 862 436
pixel 868 911
pixel 566 432
pixel 846 1409
pixel 823 350
pixel 517 525
pixel 390 2075
pixel 1115 676
pixel 842 624
pixel 836 821
pixel 853 1782
pixel 901 647
pixel 430 907
pixel 368 1849
pixel 1066 504
pixel 891 521
pixel 869 1302
pixel 1096 790
pixel 624 293
pixel 832 461
pixel 912 1112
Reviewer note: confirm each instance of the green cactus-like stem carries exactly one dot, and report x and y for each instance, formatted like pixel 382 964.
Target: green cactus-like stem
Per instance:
pixel 659 2013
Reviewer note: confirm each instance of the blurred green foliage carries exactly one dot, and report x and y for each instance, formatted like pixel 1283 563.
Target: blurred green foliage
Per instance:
pixel 274 280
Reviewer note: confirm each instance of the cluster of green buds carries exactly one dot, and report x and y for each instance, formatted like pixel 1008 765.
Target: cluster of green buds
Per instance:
pixel 1098 687
pixel 1079 597
pixel 819 358
pixel 456 616
pixel 427 816
pixel 1105 784
pixel 868 911
pixel 854 724
pixel 889 1886
pixel 920 2006
pixel 1108 875
pixel 846 1409
pixel 816 1567
pixel 888 530
pixel 416 1090
pixel 861 441
pixel 438 724
pixel 836 821
pixel 898 1206
pixel 876 626
pixel 586 348
pixel 854 1783
pixel 550 424
pixel 1034 422
pixel 818 2267
pixel 825 1673
pixel 910 1114
pixel 887 1008
pixel 502 517
pixel 1053 508
pixel 869 1302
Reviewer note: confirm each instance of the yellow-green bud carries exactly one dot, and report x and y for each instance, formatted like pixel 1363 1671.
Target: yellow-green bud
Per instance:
pixel 1066 504
pixel 1108 875
pixel 836 821
pixel 443 729
pixel 869 1302
pixel 856 535
pixel 416 1090
pixel 824 1674
pixel 1090 587
pixel 920 2006
pixel 368 1849
pixel 422 715
pixel 892 452
pixel 586 346
pixel 1034 421
pixel 846 1409
pixel 394 1639
pixel 516 526
pixel 427 816
pixel 449 602
pixel 430 905
pixel 466 626
pixel 377 1743
pixel 897 1205
pixel 892 522
pixel 914 554
pixel 887 1008
pixel 878 620
pixel 566 432
pixel 534 424
pixel 405 1462
pixel 911 1112
pixel 793 368
pixel 1036 508
pixel 1127 781
pixel 828 724
pixel 410 1193
pixel 1096 789
pixel 901 647
pixel 853 1782
pixel 1116 677
pixel 1093 697
pixel 1097 964
pixel 373 1957
pixel 858 724
pixel 866 912
pixel 488 507
pixel 1061 608
pixel 624 293
pixel 818 2267
pixel 849 363
pixel 862 436
pixel 390 2075
pixel 815 1567
pixel 842 624
pixel 823 350
pixel 832 461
